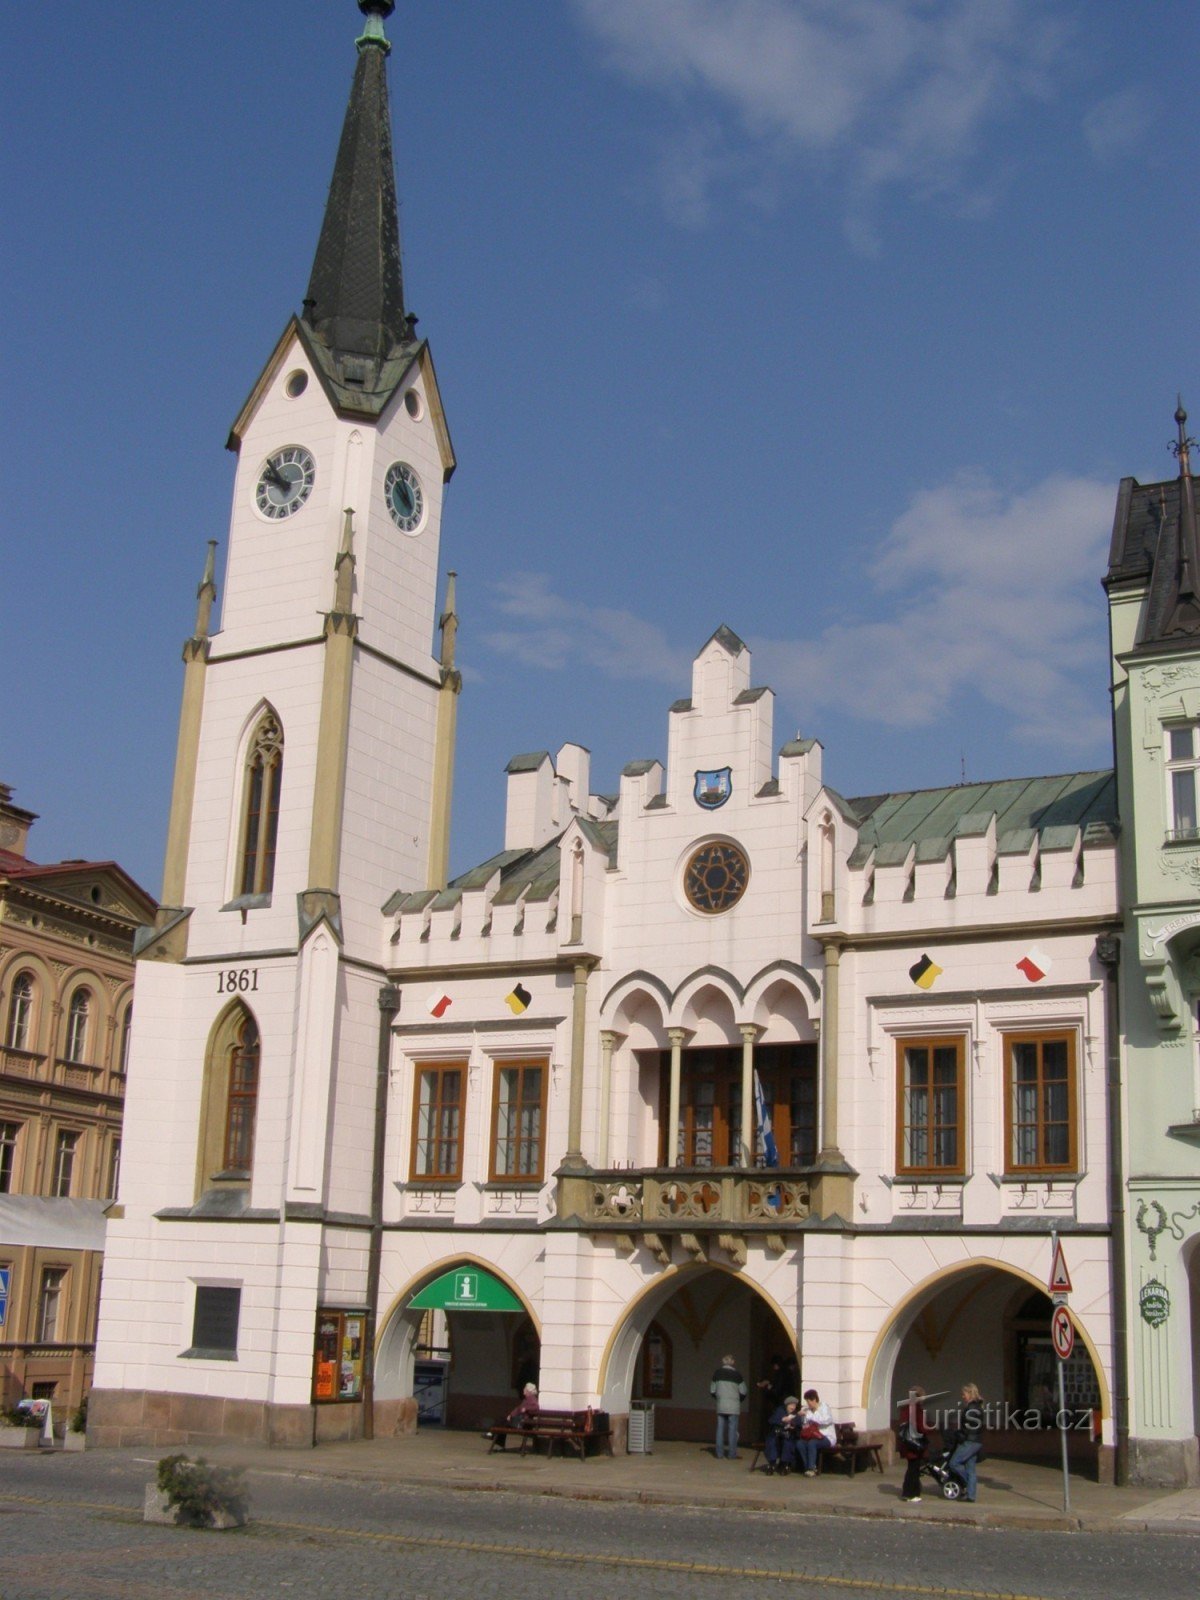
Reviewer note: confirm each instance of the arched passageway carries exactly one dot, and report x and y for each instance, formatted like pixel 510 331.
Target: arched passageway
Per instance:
pixel 985 1324
pixel 462 1341
pixel 672 1339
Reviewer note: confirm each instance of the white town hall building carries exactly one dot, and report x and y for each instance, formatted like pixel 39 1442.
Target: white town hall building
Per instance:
pixel 376 1122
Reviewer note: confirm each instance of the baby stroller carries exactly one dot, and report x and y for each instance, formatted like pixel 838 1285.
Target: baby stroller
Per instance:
pixel 950 1484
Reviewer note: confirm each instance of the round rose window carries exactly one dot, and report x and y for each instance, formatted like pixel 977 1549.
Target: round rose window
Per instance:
pixel 716 876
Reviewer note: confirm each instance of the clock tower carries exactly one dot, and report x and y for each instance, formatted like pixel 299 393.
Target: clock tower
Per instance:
pixel 312 781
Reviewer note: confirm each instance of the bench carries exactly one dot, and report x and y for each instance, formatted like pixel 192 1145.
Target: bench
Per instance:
pixel 851 1451
pixel 577 1429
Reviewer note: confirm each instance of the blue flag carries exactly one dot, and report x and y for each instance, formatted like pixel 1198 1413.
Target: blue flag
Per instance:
pixel 765 1135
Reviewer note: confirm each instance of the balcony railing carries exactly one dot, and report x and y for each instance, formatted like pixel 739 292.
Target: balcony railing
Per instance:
pixel 697 1198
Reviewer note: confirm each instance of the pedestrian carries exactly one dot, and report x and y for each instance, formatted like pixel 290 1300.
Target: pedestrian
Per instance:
pixel 782 1436
pixel 773 1388
pixel 817 1432
pixel 968 1439
pixel 912 1440
pixel 728 1389
pixel 523 1415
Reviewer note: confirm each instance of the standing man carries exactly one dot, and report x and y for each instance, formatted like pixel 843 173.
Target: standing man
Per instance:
pixel 728 1389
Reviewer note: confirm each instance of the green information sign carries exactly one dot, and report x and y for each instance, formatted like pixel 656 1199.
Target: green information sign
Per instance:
pixel 466 1289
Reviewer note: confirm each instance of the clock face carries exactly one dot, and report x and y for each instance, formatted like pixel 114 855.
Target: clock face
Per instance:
pixel 405 497
pixel 285 482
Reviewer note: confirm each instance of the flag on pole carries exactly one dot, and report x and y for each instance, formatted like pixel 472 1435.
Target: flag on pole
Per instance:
pixel 766 1136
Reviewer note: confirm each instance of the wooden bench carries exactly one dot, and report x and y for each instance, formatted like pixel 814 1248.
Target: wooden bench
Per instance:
pixel 577 1429
pixel 851 1451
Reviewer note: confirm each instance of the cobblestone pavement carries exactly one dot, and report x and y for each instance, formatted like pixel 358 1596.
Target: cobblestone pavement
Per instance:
pixel 70 1526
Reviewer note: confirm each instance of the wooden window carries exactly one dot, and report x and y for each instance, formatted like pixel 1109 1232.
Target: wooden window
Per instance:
pixel 710 1104
pixel 114 1168
pixel 20 1012
pixel 77 1025
pixel 241 1104
pixel 9 1132
pixel 1040 1102
pixel 519 1120
pixel 438 1123
pixel 930 1105
pixel 1182 765
pixel 260 817
pixel 50 1306
pixel 64 1162
pixel 126 1034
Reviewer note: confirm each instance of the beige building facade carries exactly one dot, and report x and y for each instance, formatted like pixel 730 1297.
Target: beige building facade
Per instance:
pixel 66 1004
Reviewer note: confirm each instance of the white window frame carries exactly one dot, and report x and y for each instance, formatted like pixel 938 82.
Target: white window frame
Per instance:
pixel 1181 772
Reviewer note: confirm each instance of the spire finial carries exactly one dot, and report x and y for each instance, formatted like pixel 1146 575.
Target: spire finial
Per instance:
pixel 376 12
pixel 1181 446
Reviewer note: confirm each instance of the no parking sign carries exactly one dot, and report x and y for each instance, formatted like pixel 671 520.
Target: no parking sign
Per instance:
pixel 1062 1333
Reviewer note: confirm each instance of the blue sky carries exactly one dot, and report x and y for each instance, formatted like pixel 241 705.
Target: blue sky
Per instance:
pixel 836 321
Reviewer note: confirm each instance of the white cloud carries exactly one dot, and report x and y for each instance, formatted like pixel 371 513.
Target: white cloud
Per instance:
pixel 975 591
pixel 888 91
pixel 554 633
pixel 1116 125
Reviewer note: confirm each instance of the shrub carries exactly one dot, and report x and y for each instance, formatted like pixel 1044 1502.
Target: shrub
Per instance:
pixel 79 1417
pixel 200 1492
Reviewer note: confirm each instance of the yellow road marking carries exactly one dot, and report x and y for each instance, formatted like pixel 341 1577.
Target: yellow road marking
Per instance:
pixel 586 1558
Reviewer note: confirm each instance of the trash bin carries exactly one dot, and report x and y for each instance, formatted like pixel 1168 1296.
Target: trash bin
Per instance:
pixel 641 1428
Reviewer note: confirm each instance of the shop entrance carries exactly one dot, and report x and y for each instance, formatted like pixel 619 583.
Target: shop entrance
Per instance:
pixel 463 1346
pixel 673 1339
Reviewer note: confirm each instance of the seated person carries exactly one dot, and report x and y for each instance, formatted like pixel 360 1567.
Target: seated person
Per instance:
pixel 522 1416
pixel 782 1435
pixel 817 1432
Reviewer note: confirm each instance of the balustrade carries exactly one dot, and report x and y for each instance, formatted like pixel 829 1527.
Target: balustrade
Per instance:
pixel 698 1197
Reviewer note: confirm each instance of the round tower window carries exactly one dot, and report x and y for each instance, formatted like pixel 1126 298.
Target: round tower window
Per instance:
pixel 716 876
pixel 412 404
pixel 296 384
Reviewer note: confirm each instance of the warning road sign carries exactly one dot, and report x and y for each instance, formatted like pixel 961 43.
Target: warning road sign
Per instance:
pixel 1060 1278
pixel 1062 1333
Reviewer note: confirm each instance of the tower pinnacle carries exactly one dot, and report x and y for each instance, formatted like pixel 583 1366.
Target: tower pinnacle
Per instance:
pixel 354 308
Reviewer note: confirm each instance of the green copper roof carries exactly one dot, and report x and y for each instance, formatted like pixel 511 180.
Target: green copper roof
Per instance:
pixel 1053 808
pixel 354 313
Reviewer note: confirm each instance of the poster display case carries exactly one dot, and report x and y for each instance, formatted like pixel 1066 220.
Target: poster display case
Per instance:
pixel 338 1352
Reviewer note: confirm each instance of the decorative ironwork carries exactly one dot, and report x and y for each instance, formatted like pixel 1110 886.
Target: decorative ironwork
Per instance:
pixel 716 876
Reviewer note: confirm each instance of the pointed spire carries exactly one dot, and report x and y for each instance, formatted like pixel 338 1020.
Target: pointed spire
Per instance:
pixel 343 566
pixel 1185 614
pixel 355 301
pixel 449 626
pixel 206 593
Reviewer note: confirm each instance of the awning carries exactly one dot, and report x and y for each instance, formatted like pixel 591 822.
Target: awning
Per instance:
pixel 466 1289
pixel 52 1224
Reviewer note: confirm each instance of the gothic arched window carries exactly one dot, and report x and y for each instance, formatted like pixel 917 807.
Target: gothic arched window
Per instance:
pixel 241 1102
pixel 20 1012
pixel 260 814
pixel 77 1025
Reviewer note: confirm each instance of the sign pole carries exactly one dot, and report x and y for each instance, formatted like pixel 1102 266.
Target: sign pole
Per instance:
pixel 1062 1385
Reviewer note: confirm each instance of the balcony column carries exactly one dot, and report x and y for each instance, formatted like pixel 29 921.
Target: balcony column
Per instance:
pixel 574 1155
pixel 608 1040
pixel 676 1036
pixel 749 1032
pixel 830 1153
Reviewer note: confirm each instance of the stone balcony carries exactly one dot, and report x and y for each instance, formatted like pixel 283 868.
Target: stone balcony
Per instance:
pixel 645 1204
